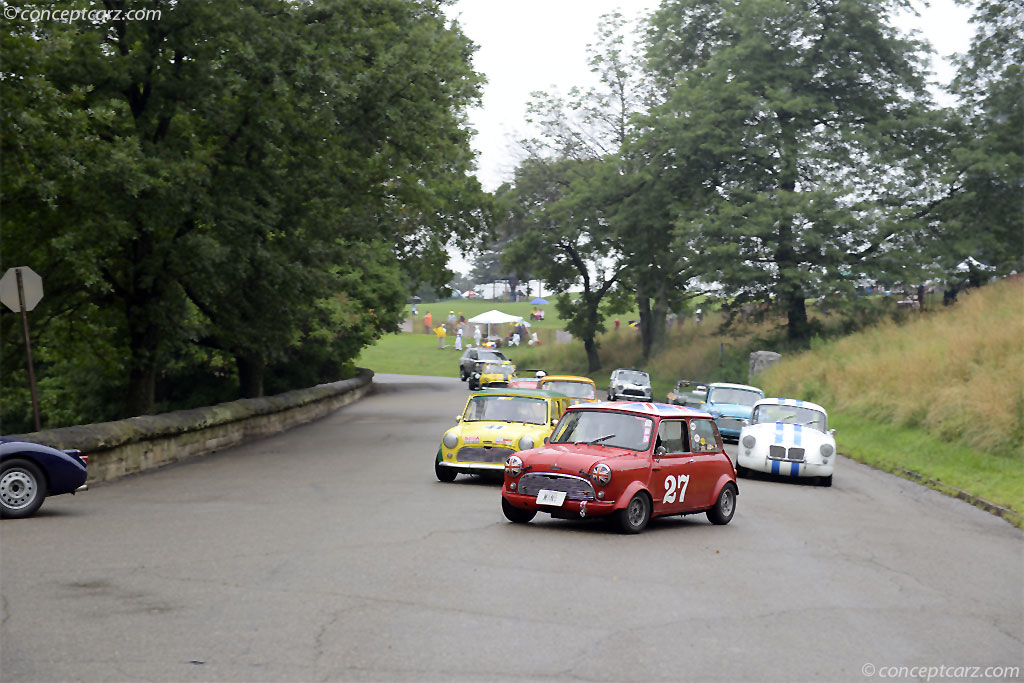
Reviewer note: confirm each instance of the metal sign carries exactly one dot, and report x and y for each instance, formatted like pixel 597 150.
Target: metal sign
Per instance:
pixel 20 290
pixel 31 285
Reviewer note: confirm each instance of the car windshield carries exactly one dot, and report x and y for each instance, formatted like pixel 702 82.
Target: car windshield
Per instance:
pixel 620 430
pixel 491 355
pixel 571 389
pixel 633 377
pixel 743 397
pixel 506 409
pixel 498 369
pixel 809 417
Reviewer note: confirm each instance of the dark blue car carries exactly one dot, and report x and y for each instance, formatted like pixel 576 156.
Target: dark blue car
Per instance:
pixel 29 472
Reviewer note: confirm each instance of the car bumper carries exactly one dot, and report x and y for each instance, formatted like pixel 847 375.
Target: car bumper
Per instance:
pixel 786 468
pixel 474 467
pixel 573 509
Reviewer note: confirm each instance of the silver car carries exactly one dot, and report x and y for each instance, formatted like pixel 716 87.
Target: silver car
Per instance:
pixel 629 385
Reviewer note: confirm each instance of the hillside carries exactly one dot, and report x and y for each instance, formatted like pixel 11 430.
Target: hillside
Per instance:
pixel 941 395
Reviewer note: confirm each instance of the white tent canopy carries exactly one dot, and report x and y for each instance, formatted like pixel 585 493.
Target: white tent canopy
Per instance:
pixel 496 317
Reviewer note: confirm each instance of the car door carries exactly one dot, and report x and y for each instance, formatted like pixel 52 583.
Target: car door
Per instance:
pixel 706 463
pixel 672 472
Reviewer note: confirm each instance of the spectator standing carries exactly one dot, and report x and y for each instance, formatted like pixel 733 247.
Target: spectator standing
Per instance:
pixel 477 336
pixel 441 334
pixel 458 338
pixel 428 322
pixel 451 322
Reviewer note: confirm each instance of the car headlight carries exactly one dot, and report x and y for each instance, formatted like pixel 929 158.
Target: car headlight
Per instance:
pixel 827 449
pixel 601 474
pixel 749 441
pixel 450 440
pixel 514 465
pixel 526 443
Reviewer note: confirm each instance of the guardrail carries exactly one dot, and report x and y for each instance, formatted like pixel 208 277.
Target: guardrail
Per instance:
pixel 116 449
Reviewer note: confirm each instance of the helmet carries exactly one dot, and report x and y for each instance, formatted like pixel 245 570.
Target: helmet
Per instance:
pixel 541 373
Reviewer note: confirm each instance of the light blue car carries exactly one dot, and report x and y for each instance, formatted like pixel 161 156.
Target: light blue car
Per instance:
pixel 731 405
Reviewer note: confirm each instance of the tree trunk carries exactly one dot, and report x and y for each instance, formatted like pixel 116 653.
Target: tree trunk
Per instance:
pixel 658 314
pixel 643 304
pixel 143 340
pixel 250 374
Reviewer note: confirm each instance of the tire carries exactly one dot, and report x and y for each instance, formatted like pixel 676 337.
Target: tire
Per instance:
pixel 445 474
pixel 611 396
pixel 633 518
pixel 725 506
pixel 22 489
pixel 462 374
pixel 825 481
pixel 516 515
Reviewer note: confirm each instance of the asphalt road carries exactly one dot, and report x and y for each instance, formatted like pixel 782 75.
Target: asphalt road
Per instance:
pixel 331 553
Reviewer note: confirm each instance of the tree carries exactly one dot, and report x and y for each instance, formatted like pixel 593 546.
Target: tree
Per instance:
pixel 796 118
pixel 563 237
pixel 255 179
pixel 978 213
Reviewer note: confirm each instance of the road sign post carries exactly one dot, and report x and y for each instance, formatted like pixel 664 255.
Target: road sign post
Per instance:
pixel 26 292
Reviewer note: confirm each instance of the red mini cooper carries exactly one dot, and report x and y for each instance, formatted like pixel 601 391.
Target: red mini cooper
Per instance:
pixel 633 461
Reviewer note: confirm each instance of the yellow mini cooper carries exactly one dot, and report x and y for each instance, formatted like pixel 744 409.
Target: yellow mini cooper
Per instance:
pixel 491 373
pixel 495 424
pixel 578 389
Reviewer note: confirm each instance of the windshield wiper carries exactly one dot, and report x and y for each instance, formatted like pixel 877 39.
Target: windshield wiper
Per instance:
pixel 600 439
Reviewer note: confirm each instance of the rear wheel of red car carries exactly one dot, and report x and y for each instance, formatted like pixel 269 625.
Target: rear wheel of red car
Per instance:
pixel 633 518
pixel 22 489
pixel 517 515
pixel 443 473
pixel 725 506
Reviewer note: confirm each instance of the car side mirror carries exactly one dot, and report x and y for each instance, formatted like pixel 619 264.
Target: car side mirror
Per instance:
pixel 659 451
pixel 832 432
pixel 554 422
pixel 458 418
pixel 547 439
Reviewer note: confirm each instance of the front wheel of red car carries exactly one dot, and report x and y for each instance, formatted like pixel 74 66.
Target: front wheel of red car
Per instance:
pixel 633 518
pixel 517 515
pixel 22 489
pixel 725 507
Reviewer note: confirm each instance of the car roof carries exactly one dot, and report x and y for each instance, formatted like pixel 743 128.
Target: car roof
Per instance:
pixel 517 391
pixel 727 385
pixel 567 378
pixel 631 370
pixel 790 402
pixel 649 409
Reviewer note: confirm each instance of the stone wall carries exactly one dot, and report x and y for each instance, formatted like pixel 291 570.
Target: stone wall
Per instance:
pixel 116 449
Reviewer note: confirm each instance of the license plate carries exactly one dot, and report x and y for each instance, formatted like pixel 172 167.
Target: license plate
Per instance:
pixel 549 497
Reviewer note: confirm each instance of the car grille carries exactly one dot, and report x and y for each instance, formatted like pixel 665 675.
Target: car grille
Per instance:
pixel 780 453
pixel 576 488
pixel 634 392
pixel 483 454
pixel 729 423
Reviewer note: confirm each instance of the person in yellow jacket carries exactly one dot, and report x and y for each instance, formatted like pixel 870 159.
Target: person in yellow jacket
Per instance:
pixel 441 334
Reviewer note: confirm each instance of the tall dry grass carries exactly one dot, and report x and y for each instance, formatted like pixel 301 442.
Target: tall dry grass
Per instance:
pixel 956 372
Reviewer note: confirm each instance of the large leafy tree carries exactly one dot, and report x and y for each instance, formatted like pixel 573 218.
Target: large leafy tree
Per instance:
pixel 788 125
pixel 980 210
pixel 562 236
pixel 258 180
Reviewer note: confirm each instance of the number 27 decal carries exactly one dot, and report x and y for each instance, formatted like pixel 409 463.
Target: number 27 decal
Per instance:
pixel 674 484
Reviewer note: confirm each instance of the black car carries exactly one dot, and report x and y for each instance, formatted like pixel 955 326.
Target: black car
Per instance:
pixel 29 472
pixel 469 359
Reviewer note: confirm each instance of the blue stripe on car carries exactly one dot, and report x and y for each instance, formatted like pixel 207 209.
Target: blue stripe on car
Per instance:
pixel 797 434
pixel 779 427
pixel 795 471
pixel 775 466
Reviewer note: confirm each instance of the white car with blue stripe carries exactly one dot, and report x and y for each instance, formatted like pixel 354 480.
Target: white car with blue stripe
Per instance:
pixel 789 438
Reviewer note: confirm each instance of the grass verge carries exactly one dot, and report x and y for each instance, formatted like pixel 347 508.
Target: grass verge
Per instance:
pixel 953 469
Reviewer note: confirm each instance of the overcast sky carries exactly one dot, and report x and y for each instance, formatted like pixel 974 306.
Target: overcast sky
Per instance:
pixel 528 45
